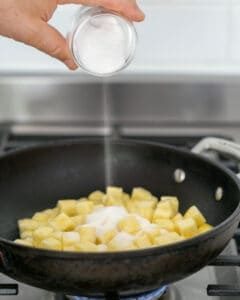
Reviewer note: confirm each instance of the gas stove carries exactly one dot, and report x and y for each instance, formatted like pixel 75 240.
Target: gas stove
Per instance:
pixel 218 281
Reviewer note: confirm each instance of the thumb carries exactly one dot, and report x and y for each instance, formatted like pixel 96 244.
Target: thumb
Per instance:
pixel 47 39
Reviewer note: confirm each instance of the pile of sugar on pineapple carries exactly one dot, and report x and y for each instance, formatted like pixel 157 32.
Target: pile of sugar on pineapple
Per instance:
pixel 112 221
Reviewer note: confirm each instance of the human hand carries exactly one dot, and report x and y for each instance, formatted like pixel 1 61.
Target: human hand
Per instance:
pixel 27 21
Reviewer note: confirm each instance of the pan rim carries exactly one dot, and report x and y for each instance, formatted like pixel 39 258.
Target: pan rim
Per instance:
pixel 157 250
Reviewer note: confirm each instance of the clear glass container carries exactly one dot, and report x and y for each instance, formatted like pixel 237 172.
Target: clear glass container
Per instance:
pixel 102 42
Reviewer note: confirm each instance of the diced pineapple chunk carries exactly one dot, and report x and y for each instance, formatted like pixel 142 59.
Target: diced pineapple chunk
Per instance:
pixel 122 241
pixel 57 235
pixel 23 242
pixel 153 232
pixel 52 213
pixel 41 217
pixel 178 216
pixel 62 222
pixel 194 213
pixel 168 238
pixel 129 224
pixel 131 206
pixel 102 248
pixel 86 246
pixel 164 210
pixel 173 201
pixel 204 228
pixel 140 193
pixel 142 240
pixel 78 220
pixel 69 248
pixel 107 236
pixel 69 207
pixel 125 199
pixel 186 227
pixel 113 201
pixel 26 234
pixel 96 197
pixel 87 233
pixel 51 244
pixel 70 238
pixel 27 224
pixel 84 207
pixel 146 213
pixel 114 192
pixel 41 233
pixel 165 224
pixel 98 206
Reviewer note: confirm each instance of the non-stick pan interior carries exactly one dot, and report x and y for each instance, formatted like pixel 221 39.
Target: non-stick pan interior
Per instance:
pixel 34 179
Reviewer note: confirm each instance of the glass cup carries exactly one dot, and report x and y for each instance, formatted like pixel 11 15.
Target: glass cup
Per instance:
pixel 102 42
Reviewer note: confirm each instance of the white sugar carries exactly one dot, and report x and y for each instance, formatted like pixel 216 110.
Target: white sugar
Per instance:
pixel 102 45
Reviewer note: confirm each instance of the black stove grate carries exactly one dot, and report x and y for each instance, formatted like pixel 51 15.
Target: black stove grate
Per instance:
pixel 9 142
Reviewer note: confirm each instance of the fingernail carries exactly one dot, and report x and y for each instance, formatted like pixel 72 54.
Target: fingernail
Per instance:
pixel 70 64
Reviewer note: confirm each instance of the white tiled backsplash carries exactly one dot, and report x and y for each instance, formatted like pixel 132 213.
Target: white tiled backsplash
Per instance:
pixel 177 36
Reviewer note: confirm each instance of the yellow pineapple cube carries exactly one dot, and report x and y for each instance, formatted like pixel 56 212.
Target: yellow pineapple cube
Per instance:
pixel 113 201
pixel 87 233
pixel 142 240
pixel 70 238
pixel 178 216
pixel 168 238
pixel 129 224
pixel 102 248
pixel 69 207
pixel 62 222
pixel 52 213
pixel 51 244
pixel 26 234
pixel 41 233
pixel 164 210
pixel 204 228
pixel 146 213
pixel 87 246
pixel 173 201
pixel 23 242
pixel 41 217
pixel 153 232
pixel 27 224
pixel 98 206
pixel 165 224
pixel 122 241
pixel 57 235
pixel 96 197
pixel 125 199
pixel 84 207
pixel 140 193
pixel 71 248
pixel 194 213
pixel 78 220
pixel 107 236
pixel 187 227
pixel 131 206
pixel 114 192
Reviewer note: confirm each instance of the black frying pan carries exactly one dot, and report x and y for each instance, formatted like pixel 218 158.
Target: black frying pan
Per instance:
pixel 34 179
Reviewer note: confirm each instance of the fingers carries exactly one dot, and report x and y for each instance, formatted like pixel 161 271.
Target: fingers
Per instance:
pixel 50 41
pixel 127 8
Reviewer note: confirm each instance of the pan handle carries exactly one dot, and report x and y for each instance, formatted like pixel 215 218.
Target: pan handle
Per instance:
pixel 220 145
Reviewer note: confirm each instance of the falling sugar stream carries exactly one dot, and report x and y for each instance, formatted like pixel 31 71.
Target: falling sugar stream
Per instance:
pixel 107 122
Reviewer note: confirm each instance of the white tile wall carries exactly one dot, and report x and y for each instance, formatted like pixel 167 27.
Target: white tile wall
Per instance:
pixel 177 36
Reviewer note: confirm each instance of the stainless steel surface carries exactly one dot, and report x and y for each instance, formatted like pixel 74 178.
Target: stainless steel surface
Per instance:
pixel 136 107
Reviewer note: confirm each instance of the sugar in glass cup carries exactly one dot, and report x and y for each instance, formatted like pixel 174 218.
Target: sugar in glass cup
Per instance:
pixel 102 42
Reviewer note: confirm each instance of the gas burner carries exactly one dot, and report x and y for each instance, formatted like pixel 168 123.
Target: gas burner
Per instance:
pixel 153 295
